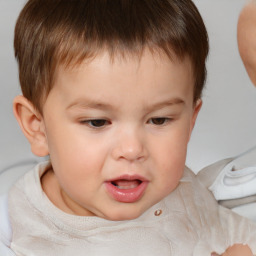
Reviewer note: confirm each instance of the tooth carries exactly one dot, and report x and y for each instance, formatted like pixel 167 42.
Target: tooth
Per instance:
pixel 126 184
pixel 127 187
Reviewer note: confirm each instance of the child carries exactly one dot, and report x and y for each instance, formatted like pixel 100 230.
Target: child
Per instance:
pixel 111 91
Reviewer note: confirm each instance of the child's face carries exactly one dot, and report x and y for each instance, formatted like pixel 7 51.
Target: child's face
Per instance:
pixel 117 134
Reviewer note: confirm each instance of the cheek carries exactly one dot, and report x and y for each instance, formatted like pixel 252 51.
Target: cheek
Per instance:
pixel 75 165
pixel 68 143
pixel 171 154
pixel 174 146
pixel 76 156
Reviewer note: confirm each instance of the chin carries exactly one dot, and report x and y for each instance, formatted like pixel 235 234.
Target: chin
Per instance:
pixel 123 215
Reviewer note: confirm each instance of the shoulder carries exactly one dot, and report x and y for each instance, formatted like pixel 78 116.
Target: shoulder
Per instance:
pixel 25 193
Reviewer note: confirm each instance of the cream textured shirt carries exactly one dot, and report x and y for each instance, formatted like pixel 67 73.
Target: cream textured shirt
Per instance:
pixel 187 222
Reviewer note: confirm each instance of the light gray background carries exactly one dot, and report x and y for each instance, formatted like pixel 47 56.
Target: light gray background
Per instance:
pixel 227 123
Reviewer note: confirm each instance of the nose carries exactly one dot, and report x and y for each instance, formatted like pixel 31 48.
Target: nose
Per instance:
pixel 130 146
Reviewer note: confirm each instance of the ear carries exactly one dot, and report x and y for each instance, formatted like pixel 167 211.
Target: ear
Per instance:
pixel 32 125
pixel 196 110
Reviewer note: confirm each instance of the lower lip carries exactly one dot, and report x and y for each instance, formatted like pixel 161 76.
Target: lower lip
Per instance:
pixel 126 195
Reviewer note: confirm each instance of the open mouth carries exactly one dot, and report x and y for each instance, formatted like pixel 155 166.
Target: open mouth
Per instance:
pixel 126 184
pixel 126 189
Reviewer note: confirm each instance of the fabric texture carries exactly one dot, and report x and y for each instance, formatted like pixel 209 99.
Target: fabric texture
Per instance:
pixel 187 222
pixel 232 180
pixel 5 228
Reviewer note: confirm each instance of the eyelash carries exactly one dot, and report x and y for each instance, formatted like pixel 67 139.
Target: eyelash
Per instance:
pixel 163 121
pixel 101 123
pixel 96 123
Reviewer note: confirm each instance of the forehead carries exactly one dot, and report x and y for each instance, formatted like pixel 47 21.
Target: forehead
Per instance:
pixel 130 84
pixel 123 56
pixel 148 63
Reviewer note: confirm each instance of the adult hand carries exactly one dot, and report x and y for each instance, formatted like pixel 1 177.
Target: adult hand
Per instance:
pixel 236 250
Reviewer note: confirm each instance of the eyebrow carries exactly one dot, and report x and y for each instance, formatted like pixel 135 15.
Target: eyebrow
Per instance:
pixel 166 103
pixel 85 103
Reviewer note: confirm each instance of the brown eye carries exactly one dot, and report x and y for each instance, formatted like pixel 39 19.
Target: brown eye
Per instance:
pixel 159 120
pixel 96 123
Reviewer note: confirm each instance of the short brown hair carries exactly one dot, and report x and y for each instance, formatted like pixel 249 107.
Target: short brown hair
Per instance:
pixel 49 33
